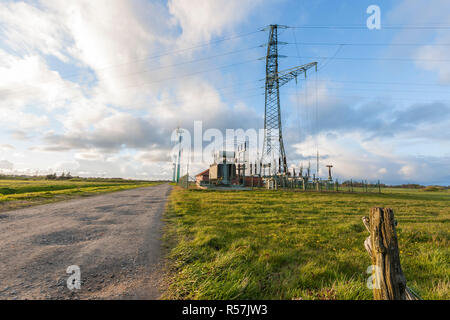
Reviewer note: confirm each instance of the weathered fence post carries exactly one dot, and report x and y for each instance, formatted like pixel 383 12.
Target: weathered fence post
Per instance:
pixel 382 246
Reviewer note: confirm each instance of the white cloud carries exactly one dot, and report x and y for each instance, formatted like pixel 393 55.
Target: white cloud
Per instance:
pixel 155 155
pixel 431 58
pixel 6 146
pixel 109 38
pixel 27 29
pixel 407 171
pixel 28 80
pixel 200 20
pixel 18 119
pixel 425 13
pixel 5 164
pixel 114 40
pixel 354 158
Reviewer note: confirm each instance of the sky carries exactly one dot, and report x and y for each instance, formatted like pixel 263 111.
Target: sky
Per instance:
pixel 96 88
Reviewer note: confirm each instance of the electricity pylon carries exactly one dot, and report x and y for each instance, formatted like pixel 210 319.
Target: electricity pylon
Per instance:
pixel 273 147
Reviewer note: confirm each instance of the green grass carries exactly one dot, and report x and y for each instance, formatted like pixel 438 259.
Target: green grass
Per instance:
pixel 292 245
pixel 21 193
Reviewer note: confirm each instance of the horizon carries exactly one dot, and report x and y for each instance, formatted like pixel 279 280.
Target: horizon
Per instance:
pixel 5 176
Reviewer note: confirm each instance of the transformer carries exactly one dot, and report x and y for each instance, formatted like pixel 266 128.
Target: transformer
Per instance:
pixel 223 170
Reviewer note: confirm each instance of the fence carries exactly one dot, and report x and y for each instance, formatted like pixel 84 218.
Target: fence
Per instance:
pixel 184 181
pixel 304 184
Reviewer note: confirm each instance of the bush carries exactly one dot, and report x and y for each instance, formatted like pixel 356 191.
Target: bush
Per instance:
pixel 433 188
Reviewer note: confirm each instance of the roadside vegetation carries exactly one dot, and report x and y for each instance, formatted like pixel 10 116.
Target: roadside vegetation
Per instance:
pixel 293 245
pixel 25 191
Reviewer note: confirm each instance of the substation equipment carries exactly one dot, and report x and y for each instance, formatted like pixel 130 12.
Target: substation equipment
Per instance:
pixel 271 170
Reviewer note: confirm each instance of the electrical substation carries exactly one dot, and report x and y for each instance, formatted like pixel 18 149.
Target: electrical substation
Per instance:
pixel 232 169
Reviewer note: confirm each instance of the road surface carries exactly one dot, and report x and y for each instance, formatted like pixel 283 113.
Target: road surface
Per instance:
pixel 114 238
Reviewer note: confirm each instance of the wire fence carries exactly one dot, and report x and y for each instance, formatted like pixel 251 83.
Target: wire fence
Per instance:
pixel 184 181
pixel 324 185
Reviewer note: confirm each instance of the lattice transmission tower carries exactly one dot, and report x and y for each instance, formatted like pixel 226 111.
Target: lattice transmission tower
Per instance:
pixel 273 153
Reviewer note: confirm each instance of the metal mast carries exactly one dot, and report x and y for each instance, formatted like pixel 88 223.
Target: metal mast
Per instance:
pixel 273 147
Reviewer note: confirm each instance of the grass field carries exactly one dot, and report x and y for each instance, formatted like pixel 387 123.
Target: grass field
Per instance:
pixel 21 193
pixel 293 245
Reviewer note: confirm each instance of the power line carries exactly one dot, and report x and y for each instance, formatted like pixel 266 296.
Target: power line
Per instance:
pixel 71 75
pixel 376 59
pixel 332 81
pixel 368 44
pixel 387 90
pixel 218 90
pixel 192 74
pixel 205 44
pixel 296 86
pixel 240 98
pixel 328 60
pixel 374 98
pixel 185 101
pixel 385 82
pixel 145 84
pixel 364 27
pixel 325 58
pixel 158 68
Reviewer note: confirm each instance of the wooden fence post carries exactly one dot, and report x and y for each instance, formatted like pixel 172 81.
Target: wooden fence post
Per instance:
pixel 382 246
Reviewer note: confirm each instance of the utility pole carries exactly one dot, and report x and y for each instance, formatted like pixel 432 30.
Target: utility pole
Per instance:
pixel 317 161
pixel 174 171
pixel 187 169
pixel 179 154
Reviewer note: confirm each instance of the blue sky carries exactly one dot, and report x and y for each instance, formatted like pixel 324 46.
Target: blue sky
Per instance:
pixel 97 87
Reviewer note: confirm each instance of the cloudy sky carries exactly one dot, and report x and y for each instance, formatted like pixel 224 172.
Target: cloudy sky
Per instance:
pixel 97 87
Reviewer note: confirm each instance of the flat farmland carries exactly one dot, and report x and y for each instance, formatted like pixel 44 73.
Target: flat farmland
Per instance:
pixel 265 244
pixel 17 193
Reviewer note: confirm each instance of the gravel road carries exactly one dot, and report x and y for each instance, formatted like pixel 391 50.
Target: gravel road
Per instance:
pixel 114 238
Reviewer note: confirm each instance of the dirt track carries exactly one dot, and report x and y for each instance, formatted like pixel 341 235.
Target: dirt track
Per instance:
pixel 113 238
